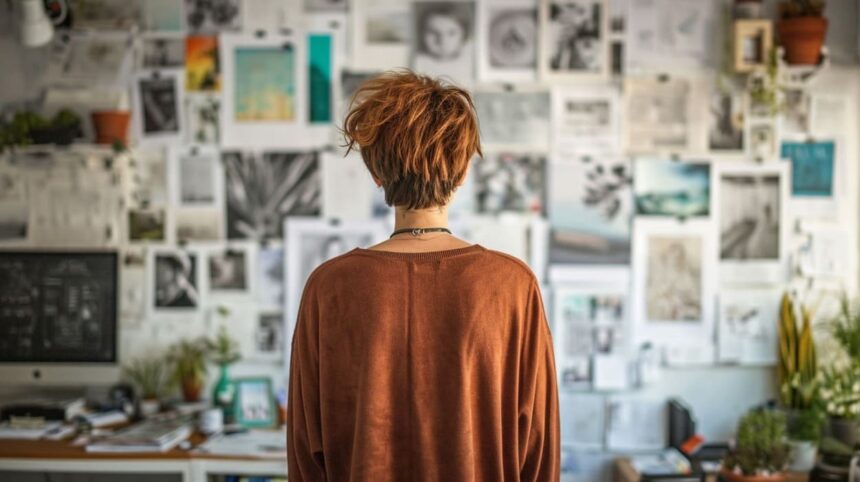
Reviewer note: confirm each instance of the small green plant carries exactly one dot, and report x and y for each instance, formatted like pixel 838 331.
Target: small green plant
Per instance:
pixel 26 128
pixel 224 348
pixel 840 391
pixel 189 359
pixel 845 328
pixel 760 447
pixel 805 425
pixel 797 371
pixel 801 8
pixel 151 376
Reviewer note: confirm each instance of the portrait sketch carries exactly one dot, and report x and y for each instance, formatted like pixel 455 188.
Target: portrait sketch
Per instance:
pixel 674 279
pixel 443 44
pixel 575 38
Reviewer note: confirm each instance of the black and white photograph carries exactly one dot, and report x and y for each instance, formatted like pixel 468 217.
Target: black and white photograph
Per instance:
pixel 746 332
pixel 263 189
pixel 750 207
pixel 270 277
pixel 269 335
pixel 794 118
pixel 163 52
pixel 381 32
pixel 507 40
pixel 444 41
pixel 660 115
pixel 228 270
pixel 575 373
pixel 199 224
pixel 514 119
pixel 212 15
pixel 510 182
pixel 202 111
pixel 197 170
pixel 158 110
pixel 726 126
pixel 326 5
pixel 175 280
pixel 761 143
pixel 146 225
pixel 585 121
pixel 574 39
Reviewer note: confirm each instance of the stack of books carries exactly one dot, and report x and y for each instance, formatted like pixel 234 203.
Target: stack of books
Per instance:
pixel 159 435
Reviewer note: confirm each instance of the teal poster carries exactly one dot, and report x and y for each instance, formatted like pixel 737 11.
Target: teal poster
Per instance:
pixel 319 81
pixel 811 167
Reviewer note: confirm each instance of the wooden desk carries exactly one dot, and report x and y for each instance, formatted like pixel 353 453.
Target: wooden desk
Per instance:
pixel 624 472
pixel 185 466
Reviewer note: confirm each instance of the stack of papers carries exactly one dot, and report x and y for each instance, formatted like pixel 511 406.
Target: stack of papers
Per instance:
pixel 253 443
pixel 8 431
pixel 148 436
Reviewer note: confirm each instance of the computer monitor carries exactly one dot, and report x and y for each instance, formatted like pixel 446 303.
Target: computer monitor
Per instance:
pixel 58 317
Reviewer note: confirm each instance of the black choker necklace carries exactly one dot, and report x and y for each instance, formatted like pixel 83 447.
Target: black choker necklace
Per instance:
pixel 417 231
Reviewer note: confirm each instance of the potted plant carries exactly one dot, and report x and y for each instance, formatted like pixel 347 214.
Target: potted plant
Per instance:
pixel 151 377
pixel 797 374
pixel 840 383
pixel 802 28
pixel 225 351
pixel 189 359
pixel 760 453
pixel 26 128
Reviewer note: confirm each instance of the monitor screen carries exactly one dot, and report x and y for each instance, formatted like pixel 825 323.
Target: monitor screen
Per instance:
pixel 58 307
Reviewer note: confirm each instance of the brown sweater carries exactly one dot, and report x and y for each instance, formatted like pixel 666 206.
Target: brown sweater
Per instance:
pixel 416 367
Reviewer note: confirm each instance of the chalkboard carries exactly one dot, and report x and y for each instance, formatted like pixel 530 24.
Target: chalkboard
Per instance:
pixel 58 306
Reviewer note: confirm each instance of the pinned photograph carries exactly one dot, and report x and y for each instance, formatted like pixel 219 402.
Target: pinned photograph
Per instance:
pixel 762 141
pixel 514 119
pixel 585 121
pixel 589 210
pixel 202 111
pixel 269 336
pixel 106 14
pixel 175 280
pixel 163 15
pixel 664 115
pixel 747 330
pixel 444 39
pixel 381 31
pixel 228 271
pixel 812 167
pixel 202 63
pixel 507 40
pixel 794 116
pixel 672 188
pixel 212 15
pixel 264 89
pixel 574 39
pixel 199 224
pixel 196 178
pixel 146 225
pixel 326 5
pixel 262 190
pixel 752 202
pixel 575 373
pixel 509 182
pixel 726 128
pixel 163 52
pixel 158 112
pixel 270 277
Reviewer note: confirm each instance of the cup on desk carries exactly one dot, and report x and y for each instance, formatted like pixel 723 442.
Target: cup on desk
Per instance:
pixel 211 421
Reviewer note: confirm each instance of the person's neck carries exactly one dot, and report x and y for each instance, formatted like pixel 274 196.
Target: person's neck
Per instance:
pixel 435 217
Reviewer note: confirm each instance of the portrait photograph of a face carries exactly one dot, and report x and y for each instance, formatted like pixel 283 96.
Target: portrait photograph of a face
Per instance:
pixel 175 280
pixel 228 270
pixel 443 43
pixel 573 42
pixel 507 40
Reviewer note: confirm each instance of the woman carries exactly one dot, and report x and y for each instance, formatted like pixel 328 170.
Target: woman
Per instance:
pixel 423 357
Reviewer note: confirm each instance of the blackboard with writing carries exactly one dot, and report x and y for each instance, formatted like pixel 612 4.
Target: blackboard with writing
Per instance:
pixel 58 307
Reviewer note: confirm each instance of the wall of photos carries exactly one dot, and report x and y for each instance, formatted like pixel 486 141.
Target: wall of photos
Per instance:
pixel 664 209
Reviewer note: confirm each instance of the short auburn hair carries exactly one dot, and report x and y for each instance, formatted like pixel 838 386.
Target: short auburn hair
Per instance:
pixel 415 134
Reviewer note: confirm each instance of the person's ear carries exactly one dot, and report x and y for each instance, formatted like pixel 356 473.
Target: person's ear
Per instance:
pixel 377 181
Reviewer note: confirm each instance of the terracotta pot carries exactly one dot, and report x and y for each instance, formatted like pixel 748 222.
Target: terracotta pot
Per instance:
pixel 802 38
pixel 191 389
pixel 730 476
pixel 111 126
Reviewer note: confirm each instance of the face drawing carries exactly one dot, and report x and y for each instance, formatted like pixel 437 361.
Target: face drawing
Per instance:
pixel 443 36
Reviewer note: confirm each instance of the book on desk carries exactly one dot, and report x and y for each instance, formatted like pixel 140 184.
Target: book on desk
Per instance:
pixel 147 436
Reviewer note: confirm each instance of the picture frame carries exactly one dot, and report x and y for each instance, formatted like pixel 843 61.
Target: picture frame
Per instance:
pixel 249 121
pixel 254 402
pixel 585 121
pixel 158 112
pixel 173 282
pixel 752 40
pixel 381 32
pixel 745 234
pixel 587 58
pixel 195 177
